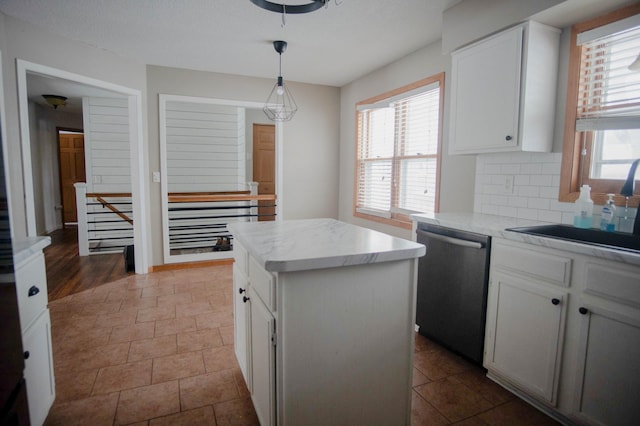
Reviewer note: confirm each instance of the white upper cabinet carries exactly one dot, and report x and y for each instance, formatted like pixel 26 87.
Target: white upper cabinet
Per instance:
pixel 503 92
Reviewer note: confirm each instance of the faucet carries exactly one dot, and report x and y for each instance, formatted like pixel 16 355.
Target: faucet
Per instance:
pixel 627 191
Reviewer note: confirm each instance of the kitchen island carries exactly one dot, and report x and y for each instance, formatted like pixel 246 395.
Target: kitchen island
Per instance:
pixel 324 321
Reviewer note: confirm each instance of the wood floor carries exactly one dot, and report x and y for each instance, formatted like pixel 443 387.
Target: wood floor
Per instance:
pixel 69 273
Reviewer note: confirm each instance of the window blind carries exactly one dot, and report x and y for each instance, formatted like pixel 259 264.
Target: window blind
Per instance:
pixel 609 93
pixel 397 154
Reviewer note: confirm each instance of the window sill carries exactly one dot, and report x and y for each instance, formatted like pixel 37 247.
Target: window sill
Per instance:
pixel 399 221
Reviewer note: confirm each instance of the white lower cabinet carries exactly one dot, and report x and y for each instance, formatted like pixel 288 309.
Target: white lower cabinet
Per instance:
pixel 31 289
pixel 38 370
pixel 530 359
pixel 262 360
pixel 326 346
pixel 563 332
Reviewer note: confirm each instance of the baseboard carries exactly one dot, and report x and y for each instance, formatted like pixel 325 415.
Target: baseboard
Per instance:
pixel 188 265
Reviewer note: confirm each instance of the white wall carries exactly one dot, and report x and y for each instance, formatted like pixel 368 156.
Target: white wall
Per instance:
pixel 456 172
pixel 311 144
pixel 30 43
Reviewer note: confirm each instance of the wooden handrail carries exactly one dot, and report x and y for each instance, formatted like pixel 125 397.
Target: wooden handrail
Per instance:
pixel 108 194
pixel 171 194
pixel 113 209
pixel 205 198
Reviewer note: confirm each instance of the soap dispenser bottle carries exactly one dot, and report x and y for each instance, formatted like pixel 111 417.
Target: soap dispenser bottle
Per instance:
pixel 608 215
pixel 583 208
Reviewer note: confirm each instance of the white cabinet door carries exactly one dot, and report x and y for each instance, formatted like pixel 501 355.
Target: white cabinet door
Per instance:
pixel 262 358
pixel 525 327
pixel 485 94
pixel 240 313
pixel 38 370
pixel 608 376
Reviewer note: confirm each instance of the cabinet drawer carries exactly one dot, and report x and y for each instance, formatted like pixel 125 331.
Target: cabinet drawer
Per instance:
pixel 31 286
pixel 262 283
pixel 240 255
pixel 618 282
pixel 551 268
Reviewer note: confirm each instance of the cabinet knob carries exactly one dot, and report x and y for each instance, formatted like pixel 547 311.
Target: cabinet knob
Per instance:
pixel 33 291
pixel 26 354
pixel 508 138
pixel 245 299
pixel 583 311
pixel 555 301
pixel 242 290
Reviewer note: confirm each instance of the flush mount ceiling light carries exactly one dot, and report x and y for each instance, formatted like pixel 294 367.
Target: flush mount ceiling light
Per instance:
pixel 55 100
pixel 280 105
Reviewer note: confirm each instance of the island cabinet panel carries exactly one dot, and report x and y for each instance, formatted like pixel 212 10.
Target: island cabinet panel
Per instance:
pixel 345 345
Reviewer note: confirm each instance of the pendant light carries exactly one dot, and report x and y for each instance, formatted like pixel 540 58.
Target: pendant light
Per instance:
pixel 280 105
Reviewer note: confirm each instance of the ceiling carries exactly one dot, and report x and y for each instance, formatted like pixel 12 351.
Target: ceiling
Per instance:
pixel 331 46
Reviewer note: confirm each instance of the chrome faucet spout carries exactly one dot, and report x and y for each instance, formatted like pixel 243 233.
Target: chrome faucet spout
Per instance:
pixel 627 191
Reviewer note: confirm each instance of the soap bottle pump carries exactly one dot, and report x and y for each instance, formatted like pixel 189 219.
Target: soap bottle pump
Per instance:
pixel 608 215
pixel 583 208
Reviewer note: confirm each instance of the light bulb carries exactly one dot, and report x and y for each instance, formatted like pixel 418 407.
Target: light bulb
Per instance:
pixel 280 90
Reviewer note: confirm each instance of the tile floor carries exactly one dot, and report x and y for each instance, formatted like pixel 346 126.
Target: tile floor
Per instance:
pixel 158 350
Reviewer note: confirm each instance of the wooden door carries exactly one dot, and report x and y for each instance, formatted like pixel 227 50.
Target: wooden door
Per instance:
pixel 72 170
pixel 264 166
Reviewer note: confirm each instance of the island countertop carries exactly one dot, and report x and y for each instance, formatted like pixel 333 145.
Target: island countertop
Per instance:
pixel 297 245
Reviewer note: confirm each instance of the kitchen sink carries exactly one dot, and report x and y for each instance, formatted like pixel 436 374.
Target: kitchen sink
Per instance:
pixel 613 240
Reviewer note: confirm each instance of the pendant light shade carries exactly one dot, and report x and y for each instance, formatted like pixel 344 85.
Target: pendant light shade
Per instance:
pixel 280 105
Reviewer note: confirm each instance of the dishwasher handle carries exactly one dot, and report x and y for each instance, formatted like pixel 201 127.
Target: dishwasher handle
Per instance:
pixel 451 240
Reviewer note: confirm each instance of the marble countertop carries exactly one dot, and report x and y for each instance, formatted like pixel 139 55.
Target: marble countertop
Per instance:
pixel 23 248
pixel 495 226
pixel 297 245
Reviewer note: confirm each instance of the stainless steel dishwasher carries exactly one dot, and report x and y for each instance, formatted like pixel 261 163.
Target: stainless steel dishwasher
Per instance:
pixel 452 288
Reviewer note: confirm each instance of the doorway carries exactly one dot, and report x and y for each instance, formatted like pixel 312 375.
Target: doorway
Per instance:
pixel 71 164
pixel 264 167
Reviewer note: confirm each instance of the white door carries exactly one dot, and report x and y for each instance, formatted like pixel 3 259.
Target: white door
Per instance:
pixel 262 360
pixel 530 358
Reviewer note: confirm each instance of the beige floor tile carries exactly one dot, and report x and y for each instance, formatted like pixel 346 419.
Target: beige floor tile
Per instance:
pixel 419 378
pixel 148 402
pixel 477 380
pixel 177 366
pixel 199 417
pixel 175 326
pixel 157 291
pixel 147 302
pixel 101 308
pixel 124 316
pixel 188 286
pixel 192 309
pixel 94 411
pixel 236 412
pixel 423 413
pixel 95 357
pixel 453 400
pixel 218 359
pixel 72 342
pixel 243 390
pixel 198 340
pixel 207 389
pixel 127 333
pixel 73 385
pixel 516 412
pixel 124 376
pixel 141 281
pixel 227 335
pixel 175 299
pixel 429 364
pixel 214 319
pixel 152 348
pixel 123 294
pixel 154 314
pixel 88 296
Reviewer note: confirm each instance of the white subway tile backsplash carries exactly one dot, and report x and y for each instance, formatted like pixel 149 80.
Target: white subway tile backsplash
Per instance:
pixel 538 203
pixel 549 216
pixel 531 169
pixel 550 192
pixel 528 191
pixel 540 180
pixel 527 214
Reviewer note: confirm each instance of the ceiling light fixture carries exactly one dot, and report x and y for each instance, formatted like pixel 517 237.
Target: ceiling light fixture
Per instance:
pixel 293 9
pixel 55 100
pixel 280 105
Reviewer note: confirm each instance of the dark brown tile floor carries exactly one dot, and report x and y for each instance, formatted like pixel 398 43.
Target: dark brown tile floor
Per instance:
pixel 158 350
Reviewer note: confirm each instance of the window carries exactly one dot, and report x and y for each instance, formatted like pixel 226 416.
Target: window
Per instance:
pixel 602 128
pixel 398 151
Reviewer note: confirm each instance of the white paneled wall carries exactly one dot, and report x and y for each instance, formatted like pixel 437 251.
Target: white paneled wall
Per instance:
pixel 106 144
pixel 205 147
pixel 526 185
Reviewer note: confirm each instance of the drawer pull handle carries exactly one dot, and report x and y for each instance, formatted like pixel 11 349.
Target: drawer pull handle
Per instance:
pixel 508 138
pixel 245 299
pixel 555 301
pixel 26 354
pixel 242 290
pixel 583 311
pixel 33 291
